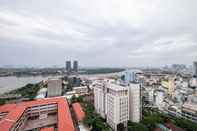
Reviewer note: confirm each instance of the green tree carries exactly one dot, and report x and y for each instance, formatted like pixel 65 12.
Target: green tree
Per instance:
pixel 136 127
pixel 73 99
pixel 79 99
pixel 2 101
pixel 94 120
pixel 185 124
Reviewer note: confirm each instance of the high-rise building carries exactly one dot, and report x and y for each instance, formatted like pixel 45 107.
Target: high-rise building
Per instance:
pixel 128 76
pixel 68 66
pixel 54 87
pixel 118 103
pixel 195 68
pixel 134 102
pixel 99 98
pixel 75 66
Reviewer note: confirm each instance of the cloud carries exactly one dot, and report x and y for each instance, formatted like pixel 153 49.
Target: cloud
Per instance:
pixel 98 33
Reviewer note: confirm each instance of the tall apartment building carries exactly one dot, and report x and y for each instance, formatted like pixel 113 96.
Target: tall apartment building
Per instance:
pixel 135 102
pixel 75 66
pixel 128 76
pixel 54 87
pixel 195 68
pixel 68 66
pixel 99 98
pixel 117 105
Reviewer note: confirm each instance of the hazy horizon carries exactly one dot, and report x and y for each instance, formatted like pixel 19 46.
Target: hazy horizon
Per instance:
pixel 129 33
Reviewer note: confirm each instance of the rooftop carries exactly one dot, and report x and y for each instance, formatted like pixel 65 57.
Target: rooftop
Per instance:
pixel 116 87
pixel 78 111
pixel 7 107
pixel 47 129
pixel 64 121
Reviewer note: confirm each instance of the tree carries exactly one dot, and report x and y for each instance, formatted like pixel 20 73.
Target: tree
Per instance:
pixel 2 101
pixel 94 120
pixel 80 99
pixel 73 99
pixel 136 127
pixel 185 124
pixel 88 120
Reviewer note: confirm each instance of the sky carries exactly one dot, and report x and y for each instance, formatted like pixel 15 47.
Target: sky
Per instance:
pixel 98 33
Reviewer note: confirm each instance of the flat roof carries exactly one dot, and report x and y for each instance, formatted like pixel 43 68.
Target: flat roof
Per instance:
pixel 65 122
pixel 7 107
pixel 78 111
pixel 190 106
pixel 116 87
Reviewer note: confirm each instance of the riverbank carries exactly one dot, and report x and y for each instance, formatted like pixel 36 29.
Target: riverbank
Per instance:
pixel 27 92
pixel 12 83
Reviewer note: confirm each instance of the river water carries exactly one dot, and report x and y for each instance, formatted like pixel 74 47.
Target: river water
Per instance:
pixel 13 82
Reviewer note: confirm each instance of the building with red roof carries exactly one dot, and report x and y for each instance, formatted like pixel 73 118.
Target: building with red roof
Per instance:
pixel 53 112
pixel 78 111
pixel 5 109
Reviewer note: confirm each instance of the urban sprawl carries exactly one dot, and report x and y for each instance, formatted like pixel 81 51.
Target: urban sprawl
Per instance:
pixel 145 99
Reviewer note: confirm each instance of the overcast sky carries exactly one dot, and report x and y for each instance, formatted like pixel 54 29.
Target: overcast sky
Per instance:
pixel 101 33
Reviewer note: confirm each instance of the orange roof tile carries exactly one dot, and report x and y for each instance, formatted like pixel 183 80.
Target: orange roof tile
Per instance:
pixel 63 121
pixel 7 107
pixel 78 111
pixel 47 129
pixel 5 124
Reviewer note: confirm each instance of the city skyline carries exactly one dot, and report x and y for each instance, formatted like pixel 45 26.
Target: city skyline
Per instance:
pixel 98 33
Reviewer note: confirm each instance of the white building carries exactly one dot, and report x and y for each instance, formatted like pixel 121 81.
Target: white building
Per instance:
pixel 134 102
pixel 149 95
pixel 99 98
pixel 117 103
pixel 54 87
pixel 117 100
pixel 159 98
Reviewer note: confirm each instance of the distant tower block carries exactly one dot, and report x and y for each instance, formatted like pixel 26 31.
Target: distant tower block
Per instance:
pixel 68 66
pixel 75 66
pixel 195 68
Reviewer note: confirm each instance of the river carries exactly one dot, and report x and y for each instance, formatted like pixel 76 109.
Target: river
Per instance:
pixel 13 82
